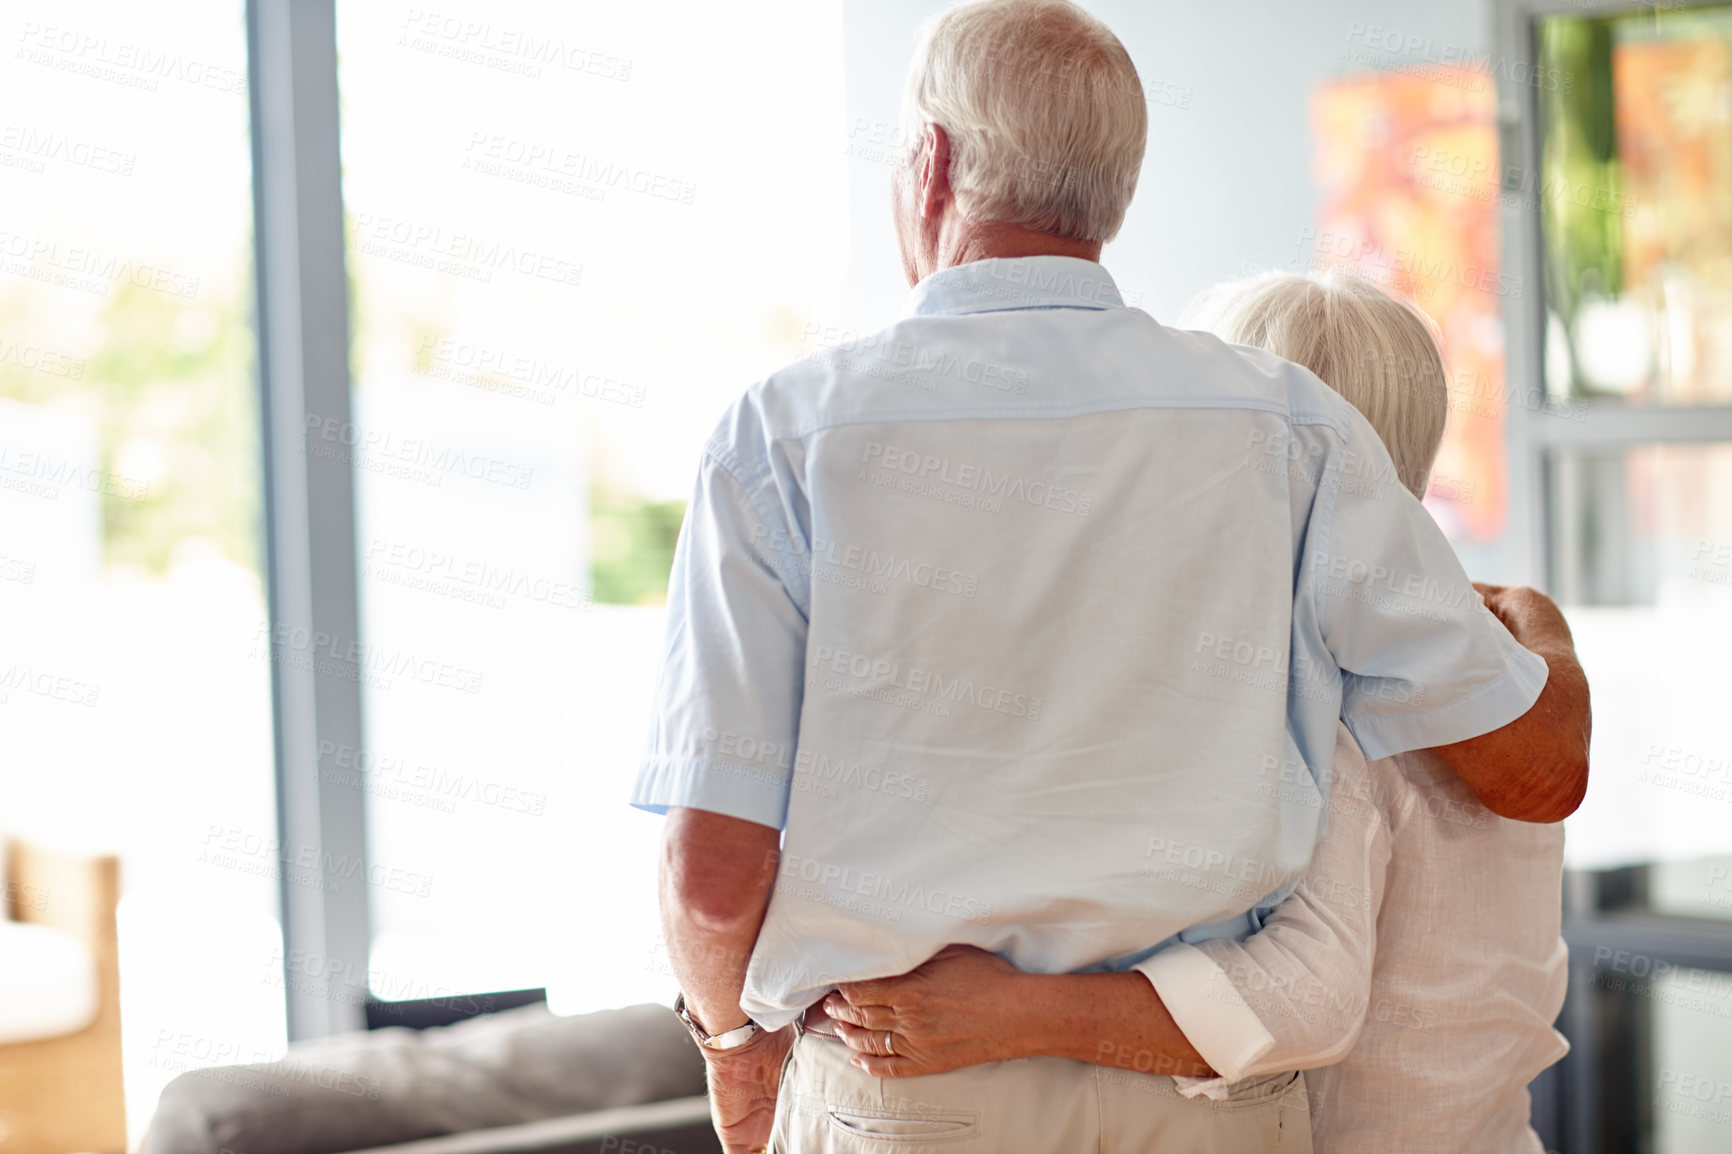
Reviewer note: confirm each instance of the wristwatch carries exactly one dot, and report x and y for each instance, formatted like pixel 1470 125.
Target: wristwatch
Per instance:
pixel 727 1040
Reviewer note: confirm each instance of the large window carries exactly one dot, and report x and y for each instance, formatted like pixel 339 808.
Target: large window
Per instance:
pixel 559 232
pixel 134 685
pixel 1617 186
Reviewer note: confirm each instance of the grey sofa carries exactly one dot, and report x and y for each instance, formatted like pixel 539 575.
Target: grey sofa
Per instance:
pixel 625 1081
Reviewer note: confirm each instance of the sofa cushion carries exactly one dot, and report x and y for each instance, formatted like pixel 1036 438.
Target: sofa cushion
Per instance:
pixel 48 983
pixel 395 1085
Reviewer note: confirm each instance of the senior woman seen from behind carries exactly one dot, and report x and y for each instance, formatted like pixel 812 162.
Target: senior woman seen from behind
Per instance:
pixel 1421 955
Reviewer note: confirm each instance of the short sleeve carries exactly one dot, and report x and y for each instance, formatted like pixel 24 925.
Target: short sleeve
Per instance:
pixel 727 702
pixel 1424 662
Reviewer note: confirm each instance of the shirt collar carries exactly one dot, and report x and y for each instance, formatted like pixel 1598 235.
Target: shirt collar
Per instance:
pixel 1030 282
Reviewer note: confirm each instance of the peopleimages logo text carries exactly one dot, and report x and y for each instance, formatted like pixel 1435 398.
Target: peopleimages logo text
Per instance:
pixel 864 560
pixel 893 892
pixel 942 470
pixel 881 674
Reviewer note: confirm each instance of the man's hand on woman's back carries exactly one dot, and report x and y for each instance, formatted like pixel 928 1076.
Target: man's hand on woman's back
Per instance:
pixel 1527 613
pixel 1535 768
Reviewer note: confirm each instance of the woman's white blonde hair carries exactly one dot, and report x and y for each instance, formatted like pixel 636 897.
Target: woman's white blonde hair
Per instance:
pixel 1043 109
pixel 1375 349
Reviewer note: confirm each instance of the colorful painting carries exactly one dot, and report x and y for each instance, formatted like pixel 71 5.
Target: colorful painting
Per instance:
pixel 1408 167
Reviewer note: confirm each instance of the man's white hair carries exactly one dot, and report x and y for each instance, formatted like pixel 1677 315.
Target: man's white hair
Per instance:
pixel 1043 109
pixel 1375 349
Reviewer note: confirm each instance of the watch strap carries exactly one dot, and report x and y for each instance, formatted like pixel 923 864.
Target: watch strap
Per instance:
pixel 726 1040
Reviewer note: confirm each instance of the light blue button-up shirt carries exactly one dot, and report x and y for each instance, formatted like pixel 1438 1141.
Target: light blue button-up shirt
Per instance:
pixel 1029 621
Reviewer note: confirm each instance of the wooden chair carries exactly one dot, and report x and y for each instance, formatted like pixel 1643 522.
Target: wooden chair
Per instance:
pixel 64 1095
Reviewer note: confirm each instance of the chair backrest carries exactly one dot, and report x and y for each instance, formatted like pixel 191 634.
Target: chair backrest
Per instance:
pixel 65 1093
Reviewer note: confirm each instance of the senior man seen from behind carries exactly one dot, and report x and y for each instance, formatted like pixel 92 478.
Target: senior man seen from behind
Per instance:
pixel 996 628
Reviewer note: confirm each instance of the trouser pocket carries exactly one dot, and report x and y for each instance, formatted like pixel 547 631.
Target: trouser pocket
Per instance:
pixel 1259 1091
pixel 888 1126
pixel 827 1106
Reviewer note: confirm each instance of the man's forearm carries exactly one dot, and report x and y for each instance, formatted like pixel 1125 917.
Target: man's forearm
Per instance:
pixel 1536 768
pixel 715 880
pixel 710 966
pixel 1115 1020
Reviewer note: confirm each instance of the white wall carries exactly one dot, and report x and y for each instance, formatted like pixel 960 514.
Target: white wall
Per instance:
pixel 1226 183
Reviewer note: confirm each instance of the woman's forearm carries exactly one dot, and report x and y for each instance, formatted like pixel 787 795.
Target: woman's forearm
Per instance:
pixel 1112 1020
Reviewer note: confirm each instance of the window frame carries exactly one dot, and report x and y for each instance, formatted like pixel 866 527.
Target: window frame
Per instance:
pixel 311 563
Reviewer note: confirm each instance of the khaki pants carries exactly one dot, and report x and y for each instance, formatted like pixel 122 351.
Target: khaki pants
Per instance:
pixel 1025 1106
